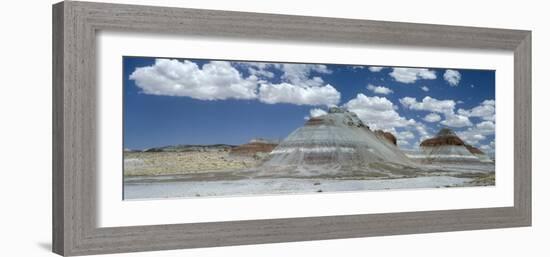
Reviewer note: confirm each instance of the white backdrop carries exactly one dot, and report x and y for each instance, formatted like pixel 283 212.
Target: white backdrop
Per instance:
pixel 25 143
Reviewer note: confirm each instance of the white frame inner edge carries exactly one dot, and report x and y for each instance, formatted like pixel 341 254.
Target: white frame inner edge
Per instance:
pixel 114 212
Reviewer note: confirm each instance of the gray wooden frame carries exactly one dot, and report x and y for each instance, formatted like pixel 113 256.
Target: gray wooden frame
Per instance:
pixel 75 25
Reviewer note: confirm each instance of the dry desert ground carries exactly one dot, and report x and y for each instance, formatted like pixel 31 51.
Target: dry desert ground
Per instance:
pixel 181 163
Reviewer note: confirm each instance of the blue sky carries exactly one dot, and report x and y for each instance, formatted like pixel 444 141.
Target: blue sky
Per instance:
pixel 189 101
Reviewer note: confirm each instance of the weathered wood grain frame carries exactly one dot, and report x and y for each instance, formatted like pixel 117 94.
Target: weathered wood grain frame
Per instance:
pixel 75 25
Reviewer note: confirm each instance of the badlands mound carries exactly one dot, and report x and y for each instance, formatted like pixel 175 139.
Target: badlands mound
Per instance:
pixel 337 143
pixel 446 146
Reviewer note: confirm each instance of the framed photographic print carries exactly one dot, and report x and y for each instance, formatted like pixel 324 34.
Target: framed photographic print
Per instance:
pixel 182 128
pixel 307 127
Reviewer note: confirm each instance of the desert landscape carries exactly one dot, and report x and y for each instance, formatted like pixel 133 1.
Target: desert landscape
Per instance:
pixel 329 153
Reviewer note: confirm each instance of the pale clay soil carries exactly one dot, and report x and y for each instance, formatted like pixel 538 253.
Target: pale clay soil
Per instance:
pixel 216 173
pixel 170 163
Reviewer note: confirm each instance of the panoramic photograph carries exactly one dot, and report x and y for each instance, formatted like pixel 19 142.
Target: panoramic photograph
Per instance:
pixel 216 128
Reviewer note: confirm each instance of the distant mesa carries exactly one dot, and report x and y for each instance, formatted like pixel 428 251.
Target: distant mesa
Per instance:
pixel 190 148
pixel 255 148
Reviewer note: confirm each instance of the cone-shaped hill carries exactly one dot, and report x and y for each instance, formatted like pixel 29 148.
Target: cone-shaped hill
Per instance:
pixel 337 143
pixel 444 137
pixel 446 146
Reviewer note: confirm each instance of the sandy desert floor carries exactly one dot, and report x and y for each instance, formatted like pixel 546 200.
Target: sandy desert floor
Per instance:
pixel 216 173
pixel 170 163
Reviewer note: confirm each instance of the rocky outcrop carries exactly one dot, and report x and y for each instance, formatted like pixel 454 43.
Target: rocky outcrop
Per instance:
pixel 386 135
pixel 473 149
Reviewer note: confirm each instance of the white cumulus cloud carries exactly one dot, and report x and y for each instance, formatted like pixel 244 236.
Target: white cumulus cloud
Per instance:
pixel 289 93
pixel 376 112
pixel 485 111
pixel 300 74
pixel 299 86
pixel 258 69
pixel 375 68
pixel 478 132
pixel 422 130
pixel 216 80
pixel 432 117
pixel 446 107
pixel 404 137
pixel 425 89
pixel 316 112
pixel 452 77
pixel 379 89
pixel 429 104
pixel 380 113
pixel 456 120
pixel 220 80
pixel 411 75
